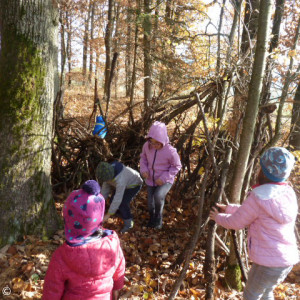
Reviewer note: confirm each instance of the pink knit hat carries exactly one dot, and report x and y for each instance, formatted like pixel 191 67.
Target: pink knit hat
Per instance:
pixel 83 212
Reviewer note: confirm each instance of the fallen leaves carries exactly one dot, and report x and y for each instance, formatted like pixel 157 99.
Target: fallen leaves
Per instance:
pixel 150 258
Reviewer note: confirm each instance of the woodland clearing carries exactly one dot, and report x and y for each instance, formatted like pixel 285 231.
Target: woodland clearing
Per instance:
pixel 150 254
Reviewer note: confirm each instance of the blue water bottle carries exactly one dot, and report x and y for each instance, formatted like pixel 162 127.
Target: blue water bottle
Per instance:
pixel 100 128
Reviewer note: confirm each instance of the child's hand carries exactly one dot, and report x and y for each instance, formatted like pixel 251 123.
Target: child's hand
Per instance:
pixel 159 182
pixel 145 175
pixel 106 217
pixel 213 213
pixel 222 207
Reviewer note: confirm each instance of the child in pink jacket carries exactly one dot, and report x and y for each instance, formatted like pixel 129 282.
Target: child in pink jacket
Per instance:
pixel 269 212
pixel 90 264
pixel 159 165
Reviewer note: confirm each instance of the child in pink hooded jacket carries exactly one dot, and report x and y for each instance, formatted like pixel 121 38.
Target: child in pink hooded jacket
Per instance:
pixel 90 264
pixel 269 212
pixel 159 165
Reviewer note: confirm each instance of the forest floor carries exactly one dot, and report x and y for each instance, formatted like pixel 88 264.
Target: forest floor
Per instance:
pixel 150 254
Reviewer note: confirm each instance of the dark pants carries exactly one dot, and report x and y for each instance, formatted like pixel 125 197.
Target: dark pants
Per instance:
pixel 156 201
pixel 124 208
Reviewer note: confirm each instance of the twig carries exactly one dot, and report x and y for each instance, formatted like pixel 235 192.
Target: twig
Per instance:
pixel 193 241
pixel 238 256
pixel 222 244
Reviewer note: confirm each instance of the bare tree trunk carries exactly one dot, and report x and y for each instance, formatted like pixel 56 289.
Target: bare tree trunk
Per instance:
pixel 295 122
pixel 133 79
pixel 147 54
pixel 91 41
pixel 128 61
pixel 116 46
pixel 289 78
pixel 69 44
pixel 86 40
pixel 28 85
pixel 253 100
pixel 247 40
pixel 262 125
pixel 250 24
pixel 251 111
pixel 218 67
pixel 273 45
pixel 108 38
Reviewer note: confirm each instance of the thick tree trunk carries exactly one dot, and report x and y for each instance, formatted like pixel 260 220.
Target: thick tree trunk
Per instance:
pixel 28 61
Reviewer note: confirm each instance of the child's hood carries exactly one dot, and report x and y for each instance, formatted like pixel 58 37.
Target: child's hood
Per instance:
pixel 278 201
pixel 92 259
pixel 158 131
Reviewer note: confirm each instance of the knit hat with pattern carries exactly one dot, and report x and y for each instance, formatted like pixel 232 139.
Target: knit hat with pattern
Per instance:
pixel 277 163
pixel 104 171
pixel 83 212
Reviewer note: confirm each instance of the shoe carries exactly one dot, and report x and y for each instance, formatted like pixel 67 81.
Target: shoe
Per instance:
pixel 150 224
pixel 158 224
pixel 128 224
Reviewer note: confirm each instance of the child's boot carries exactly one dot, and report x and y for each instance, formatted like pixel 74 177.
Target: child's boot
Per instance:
pixel 151 222
pixel 128 224
pixel 158 223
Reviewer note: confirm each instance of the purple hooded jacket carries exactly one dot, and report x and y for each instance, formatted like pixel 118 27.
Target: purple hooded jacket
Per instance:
pixel 161 164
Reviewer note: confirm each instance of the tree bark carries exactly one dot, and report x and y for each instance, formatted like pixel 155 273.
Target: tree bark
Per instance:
pixel 147 51
pixel 295 133
pixel 133 73
pixel 86 40
pixel 69 44
pixel 28 75
pixel 253 99
pixel 128 51
pixel 250 24
pixel 91 41
pixel 249 121
pixel 107 40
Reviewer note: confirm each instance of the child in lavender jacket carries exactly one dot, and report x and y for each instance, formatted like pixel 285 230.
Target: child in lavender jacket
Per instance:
pixel 159 164
pixel 269 212
pixel 90 265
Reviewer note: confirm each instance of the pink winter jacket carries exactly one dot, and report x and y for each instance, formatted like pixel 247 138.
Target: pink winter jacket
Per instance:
pixel 161 164
pixel 86 272
pixel 270 211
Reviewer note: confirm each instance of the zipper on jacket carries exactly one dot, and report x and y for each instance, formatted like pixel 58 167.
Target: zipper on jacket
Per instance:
pixel 153 167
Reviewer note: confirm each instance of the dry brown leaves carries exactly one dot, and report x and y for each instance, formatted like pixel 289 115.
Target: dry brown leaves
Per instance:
pixel 150 255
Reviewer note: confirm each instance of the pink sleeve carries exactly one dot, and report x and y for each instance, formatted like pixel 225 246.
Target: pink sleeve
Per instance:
pixel 231 208
pixel 241 217
pixel 54 281
pixel 143 160
pixel 120 271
